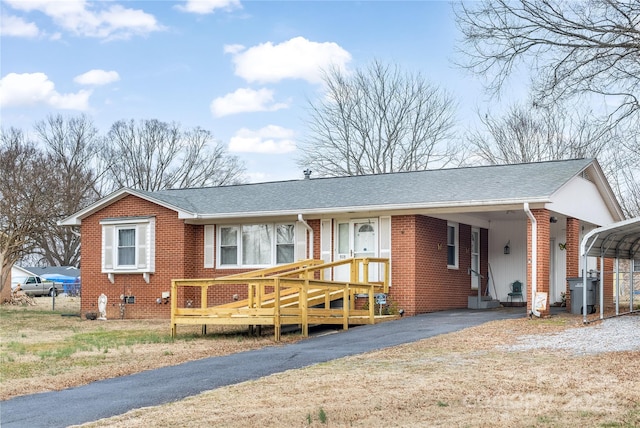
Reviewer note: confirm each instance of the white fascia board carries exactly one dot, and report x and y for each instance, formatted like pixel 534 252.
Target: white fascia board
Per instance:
pixel 76 218
pixel 441 207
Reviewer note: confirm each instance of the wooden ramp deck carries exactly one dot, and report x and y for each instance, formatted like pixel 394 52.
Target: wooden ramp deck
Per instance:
pixel 299 293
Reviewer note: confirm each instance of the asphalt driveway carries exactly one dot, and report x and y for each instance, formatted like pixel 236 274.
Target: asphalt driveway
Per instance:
pixel 154 387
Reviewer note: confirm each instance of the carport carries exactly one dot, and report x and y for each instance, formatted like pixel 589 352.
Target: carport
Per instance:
pixel 616 241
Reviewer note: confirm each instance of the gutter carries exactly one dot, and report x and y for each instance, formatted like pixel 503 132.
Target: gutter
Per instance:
pixel 306 225
pixel 534 259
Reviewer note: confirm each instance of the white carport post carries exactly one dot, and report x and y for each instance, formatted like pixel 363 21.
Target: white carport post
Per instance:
pixel 617 273
pixel 632 265
pixel 601 286
pixel 585 252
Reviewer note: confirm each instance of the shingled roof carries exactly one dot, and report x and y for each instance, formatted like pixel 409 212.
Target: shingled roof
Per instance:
pixel 470 186
pixel 530 182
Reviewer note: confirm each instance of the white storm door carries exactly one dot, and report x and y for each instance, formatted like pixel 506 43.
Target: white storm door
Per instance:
pixel 365 244
pixel 358 239
pixel 475 258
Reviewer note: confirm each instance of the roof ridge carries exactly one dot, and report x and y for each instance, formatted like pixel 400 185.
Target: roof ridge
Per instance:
pixel 373 175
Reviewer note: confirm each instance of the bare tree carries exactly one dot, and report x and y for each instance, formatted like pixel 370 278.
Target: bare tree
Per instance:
pixel 532 134
pixel 571 47
pixel 623 171
pixel 378 120
pixel 24 182
pixel 154 155
pixel 72 145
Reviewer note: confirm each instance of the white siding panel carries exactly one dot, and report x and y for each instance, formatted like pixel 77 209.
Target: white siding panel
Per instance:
pixel 558 276
pixel 580 199
pixel 507 268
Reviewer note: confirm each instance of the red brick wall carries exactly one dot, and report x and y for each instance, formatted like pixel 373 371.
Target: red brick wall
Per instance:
pixel 171 236
pixel 572 250
pixel 420 277
pixel 179 251
pixel 543 231
pixel 403 259
pixel 421 280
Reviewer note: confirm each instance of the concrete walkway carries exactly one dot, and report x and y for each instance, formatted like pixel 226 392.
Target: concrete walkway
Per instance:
pixel 154 387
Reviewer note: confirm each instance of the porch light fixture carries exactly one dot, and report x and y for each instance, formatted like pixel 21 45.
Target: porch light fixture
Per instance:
pixel 507 248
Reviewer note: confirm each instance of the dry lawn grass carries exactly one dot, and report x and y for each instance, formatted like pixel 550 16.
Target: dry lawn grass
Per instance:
pixel 459 379
pixel 41 350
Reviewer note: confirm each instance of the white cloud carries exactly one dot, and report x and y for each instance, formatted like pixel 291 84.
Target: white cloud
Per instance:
pixel 245 100
pixel 271 139
pixel 14 26
pixel 30 89
pixel 297 58
pixel 97 77
pixel 233 49
pixel 209 6
pixel 85 19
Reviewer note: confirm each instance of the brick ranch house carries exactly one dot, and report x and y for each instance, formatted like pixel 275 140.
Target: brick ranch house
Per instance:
pixel 436 227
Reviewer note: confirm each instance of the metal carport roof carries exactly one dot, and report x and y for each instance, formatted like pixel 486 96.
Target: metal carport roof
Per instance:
pixel 619 240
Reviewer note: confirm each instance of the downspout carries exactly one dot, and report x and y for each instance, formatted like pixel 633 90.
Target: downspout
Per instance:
pixel 306 225
pixel 534 258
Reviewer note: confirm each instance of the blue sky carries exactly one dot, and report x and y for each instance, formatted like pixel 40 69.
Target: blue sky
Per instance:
pixel 243 70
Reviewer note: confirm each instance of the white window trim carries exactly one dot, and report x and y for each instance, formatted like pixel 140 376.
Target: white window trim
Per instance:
pixel 456 244
pixel 239 265
pixel 145 243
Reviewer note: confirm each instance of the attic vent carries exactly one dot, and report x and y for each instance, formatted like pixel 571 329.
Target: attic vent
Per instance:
pixel 587 176
pixel 307 174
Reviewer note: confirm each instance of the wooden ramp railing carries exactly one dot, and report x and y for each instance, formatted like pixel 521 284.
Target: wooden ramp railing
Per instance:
pixel 294 294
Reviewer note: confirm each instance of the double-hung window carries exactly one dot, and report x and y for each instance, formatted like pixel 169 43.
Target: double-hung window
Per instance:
pixel 452 245
pixel 126 246
pixel 255 245
pixel 285 244
pixel 229 245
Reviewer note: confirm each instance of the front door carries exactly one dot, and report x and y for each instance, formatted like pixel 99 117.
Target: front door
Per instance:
pixel 365 237
pixel 358 239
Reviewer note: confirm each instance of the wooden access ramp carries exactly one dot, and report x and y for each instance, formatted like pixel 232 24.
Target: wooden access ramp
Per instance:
pixel 294 294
